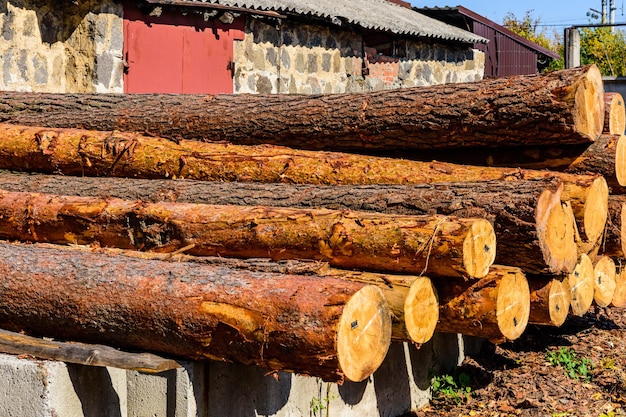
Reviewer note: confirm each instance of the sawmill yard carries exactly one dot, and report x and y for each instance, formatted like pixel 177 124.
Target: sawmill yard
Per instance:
pixel 306 233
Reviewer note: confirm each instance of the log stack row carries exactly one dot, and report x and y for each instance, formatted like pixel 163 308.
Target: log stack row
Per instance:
pixel 305 233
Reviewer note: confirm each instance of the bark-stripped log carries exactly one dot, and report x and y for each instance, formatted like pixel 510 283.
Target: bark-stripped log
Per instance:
pixel 614 114
pixel 83 354
pixel 549 300
pixel 509 205
pixel 496 307
pixel 619 297
pixel 440 245
pixel 323 327
pixel 581 284
pixel 604 281
pixel 614 240
pixel 412 299
pixel 96 153
pixel 561 107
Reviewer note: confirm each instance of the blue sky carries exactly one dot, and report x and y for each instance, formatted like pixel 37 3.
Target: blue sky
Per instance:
pixel 556 14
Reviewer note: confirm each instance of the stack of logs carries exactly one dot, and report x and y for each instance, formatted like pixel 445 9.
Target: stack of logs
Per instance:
pixel 304 233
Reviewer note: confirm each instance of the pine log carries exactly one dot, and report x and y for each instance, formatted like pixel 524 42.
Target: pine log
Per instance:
pixel 606 157
pixel 550 300
pixel 614 239
pixel 614 114
pixel 619 297
pixel 441 245
pixel 581 284
pixel 412 300
pixel 323 327
pixel 83 354
pixel 509 205
pixel 496 307
pixel 97 153
pixel 604 272
pixel 561 107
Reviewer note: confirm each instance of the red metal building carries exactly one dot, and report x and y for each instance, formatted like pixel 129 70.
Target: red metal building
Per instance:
pixel 506 53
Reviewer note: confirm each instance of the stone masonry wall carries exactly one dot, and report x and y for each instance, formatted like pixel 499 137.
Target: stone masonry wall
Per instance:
pixel 52 46
pixel 299 58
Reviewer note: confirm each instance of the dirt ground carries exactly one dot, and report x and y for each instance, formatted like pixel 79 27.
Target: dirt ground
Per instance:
pixel 518 378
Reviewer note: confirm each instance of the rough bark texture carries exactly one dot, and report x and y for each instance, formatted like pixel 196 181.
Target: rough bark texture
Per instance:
pixel 509 205
pixel 441 245
pixel 561 107
pixel 83 354
pixel 496 307
pixel 549 300
pixel 605 157
pixel 97 153
pixel 614 239
pixel 278 322
pixel 614 114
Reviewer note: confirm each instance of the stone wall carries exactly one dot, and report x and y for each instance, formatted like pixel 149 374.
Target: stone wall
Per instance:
pixel 49 46
pixel 300 58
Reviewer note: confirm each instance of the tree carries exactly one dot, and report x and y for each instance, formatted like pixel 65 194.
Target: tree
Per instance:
pixel 528 28
pixel 604 47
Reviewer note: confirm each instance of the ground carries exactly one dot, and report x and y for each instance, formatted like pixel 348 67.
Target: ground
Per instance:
pixel 518 378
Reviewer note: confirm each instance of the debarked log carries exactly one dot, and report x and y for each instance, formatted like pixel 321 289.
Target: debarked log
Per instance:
pixel 323 327
pixel 496 307
pixel 435 244
pixel 560 107
pixel 100 153
pixel 412 299
pixel 510 205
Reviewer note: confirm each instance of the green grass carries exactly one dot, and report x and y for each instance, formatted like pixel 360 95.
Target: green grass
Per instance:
pixel 452 387
pixel 575 367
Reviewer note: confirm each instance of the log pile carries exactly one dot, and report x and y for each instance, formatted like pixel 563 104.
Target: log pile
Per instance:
pixel 305 234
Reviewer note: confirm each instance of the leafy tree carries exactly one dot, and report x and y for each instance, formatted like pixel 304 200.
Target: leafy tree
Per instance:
pixel 604 47
pixel 528 27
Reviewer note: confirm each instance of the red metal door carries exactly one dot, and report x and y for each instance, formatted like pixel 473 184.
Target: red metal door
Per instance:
pixel 175 53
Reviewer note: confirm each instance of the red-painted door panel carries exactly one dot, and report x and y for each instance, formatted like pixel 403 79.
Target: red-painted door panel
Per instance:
pixel 175 53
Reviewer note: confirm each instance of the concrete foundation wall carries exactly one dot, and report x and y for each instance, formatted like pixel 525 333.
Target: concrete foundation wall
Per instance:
pixel 36 388
pixel 307 59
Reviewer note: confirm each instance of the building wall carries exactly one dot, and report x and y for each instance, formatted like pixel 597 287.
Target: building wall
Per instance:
pixel 61 46
pixel 299 58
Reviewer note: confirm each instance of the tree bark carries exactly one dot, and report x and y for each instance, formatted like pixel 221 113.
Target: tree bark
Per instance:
pixel 561 107
pixel 614 114
pixel 83 354
pixel 604 281
pixel 581 284
pixel 97 153
pixel 614 240
pixel 550 301
pixel 606 157
pixel 509 205
pixel 435 244
pixel 496 307
pixel 323 327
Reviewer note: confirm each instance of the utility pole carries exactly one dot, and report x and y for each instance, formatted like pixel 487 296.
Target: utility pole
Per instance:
pixel 612 9
pixel 604 11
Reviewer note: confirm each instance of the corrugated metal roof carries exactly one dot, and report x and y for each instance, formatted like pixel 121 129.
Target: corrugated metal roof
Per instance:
pixel 478 18
pixel 379 15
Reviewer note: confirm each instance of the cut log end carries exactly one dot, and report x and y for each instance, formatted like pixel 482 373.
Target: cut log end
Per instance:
pixel 421 310
pixel 620 161
pixel 513 304
pixel 549 301
pixel 604 281
pixel 589 104
pixel 556 232
pixel 622 230
pixel 596 209
pixel 559 302
pixel 614 114
pixel 581 283
pixel 364 334
pixel 479 249
pixel 619 297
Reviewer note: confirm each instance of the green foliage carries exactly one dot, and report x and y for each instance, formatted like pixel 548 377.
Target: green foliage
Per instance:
pixel 448 386
pixel 319 404
pixel 574 366
pixel 604 47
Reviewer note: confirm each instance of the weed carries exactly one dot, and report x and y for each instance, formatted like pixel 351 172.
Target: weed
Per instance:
pixel 574 366
pixel 448 386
